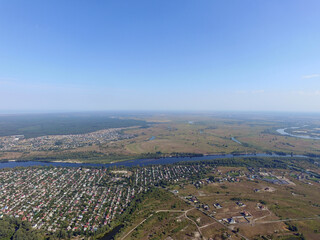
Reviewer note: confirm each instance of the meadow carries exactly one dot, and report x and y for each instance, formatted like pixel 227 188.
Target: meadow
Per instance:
pixel 261 210
pixel 161 135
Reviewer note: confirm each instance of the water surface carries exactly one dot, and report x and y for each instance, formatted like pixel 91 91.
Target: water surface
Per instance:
pixel 136 162
pixel 235 140
pixel 282 131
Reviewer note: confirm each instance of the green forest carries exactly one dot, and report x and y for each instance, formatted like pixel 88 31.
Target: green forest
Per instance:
pixel 35 125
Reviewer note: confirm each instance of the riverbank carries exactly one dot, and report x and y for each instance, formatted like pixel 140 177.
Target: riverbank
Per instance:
pixel 139 157
pixel 283 132
pixel 138 162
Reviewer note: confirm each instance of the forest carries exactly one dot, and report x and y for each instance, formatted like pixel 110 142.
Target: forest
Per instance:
pixel 35 125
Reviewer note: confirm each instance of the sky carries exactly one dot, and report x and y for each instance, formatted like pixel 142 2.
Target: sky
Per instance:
pixel 160 55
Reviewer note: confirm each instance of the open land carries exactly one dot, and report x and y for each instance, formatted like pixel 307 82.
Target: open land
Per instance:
pixel 235 198
pixel 236 203
pixel 247 198
pixel 154 135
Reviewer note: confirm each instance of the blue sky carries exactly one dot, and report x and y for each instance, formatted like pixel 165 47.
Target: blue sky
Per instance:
pixel 160 55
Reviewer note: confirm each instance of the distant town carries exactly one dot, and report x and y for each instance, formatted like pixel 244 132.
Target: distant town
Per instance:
pixel 61 142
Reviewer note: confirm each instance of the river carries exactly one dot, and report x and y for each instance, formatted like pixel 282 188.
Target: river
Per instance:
pixel 152 138
pixel 235 140
pixel 282 131
pixel 134 163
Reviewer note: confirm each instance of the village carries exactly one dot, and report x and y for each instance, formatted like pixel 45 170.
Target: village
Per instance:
pixel 78 199
pixel 60 142
pixel 233 211
pixel 82 200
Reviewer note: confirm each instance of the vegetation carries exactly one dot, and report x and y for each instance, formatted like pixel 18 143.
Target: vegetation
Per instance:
pixel 15 229
pixel 56 124
pixel 265 162
pixel 159 136
pixel 159 225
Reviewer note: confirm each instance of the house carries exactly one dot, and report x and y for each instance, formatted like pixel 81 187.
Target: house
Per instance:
pixel 206 207
pixel 245 213
pixel 240 204
pixel 231 221
pixel 217 205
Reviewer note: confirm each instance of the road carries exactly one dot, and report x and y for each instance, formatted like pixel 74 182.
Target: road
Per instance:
pixel 136 226
pixel 207 214
pixel 212 217
pixel 288 220
pixel 163 210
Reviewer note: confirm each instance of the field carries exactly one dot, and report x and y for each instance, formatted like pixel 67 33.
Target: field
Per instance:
pixel 247 208
pixel 161 215
pixel 159 135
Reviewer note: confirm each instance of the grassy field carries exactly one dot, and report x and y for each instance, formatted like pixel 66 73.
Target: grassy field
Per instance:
pixel 298 202
pixel 214 137
pixel 290 211
pixel 199 134
pixel 158 225
pixel 161 215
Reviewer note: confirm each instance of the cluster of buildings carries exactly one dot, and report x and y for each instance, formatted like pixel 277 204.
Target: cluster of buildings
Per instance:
pixel 60 142
pixel 269 176
pixel 78 199
pixel 231 176
pixel 155 174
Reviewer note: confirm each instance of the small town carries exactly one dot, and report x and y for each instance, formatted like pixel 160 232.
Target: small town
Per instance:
pixel 78 199
pixel 160 120
pixel 83 200
pixel 61 142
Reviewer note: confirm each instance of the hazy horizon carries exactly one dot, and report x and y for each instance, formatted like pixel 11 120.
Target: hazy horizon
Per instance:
pixel 58 56
pixel 159 112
